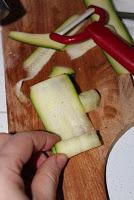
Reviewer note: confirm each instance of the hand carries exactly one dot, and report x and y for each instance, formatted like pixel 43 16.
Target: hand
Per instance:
pixel 15 151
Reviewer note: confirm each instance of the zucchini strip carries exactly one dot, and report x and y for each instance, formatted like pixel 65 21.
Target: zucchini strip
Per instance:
pixel 77 145
pixel 59 70
pixel 41 40
pixel 61 111
pixel 77 50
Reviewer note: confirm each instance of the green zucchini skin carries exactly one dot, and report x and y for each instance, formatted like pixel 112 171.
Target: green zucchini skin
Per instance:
pixel 61 111
pixel 120 28
pixel 59 70
pixel 42 40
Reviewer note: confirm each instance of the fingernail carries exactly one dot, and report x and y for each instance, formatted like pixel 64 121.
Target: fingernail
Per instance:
pixel 61 160
pixel 38 160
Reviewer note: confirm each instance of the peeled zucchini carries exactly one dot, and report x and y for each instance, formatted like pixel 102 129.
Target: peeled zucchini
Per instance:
pixel 76 145
pixel 61 111
pixel 117 24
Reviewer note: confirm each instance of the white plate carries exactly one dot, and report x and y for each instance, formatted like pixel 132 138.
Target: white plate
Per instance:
pixel 120 168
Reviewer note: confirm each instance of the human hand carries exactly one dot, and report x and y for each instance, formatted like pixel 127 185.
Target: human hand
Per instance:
pixel 15 152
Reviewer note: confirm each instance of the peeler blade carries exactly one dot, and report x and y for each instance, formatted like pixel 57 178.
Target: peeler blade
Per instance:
pixel 77 21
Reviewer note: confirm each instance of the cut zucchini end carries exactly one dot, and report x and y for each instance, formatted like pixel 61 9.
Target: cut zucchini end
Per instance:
pixel 90 100
pixel 59 70
pixel 11 34
pixel 77 145
pixel 54 150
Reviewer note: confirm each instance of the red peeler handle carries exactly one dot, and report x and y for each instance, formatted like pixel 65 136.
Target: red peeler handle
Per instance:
pixel 110 42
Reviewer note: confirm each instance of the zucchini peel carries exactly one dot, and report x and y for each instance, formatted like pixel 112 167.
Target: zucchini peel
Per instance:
pixel 36 61
pixel 59 70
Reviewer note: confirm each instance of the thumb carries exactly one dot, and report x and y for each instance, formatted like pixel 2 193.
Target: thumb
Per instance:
pixel 45 182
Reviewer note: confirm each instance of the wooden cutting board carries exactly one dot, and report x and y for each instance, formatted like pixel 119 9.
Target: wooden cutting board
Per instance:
pixel 84 175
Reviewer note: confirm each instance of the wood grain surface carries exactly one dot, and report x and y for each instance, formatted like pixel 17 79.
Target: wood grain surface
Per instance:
pixel 84 175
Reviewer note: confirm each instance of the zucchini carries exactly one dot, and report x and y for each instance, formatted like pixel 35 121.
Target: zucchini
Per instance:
pixel 61 111
pixel 42 40
pixel 77 144
pixel 36 61
pixel 90 100
pixel 59 70
pixel 115 21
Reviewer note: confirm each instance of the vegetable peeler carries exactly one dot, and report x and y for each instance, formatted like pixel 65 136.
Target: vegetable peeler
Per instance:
pixel 108 40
